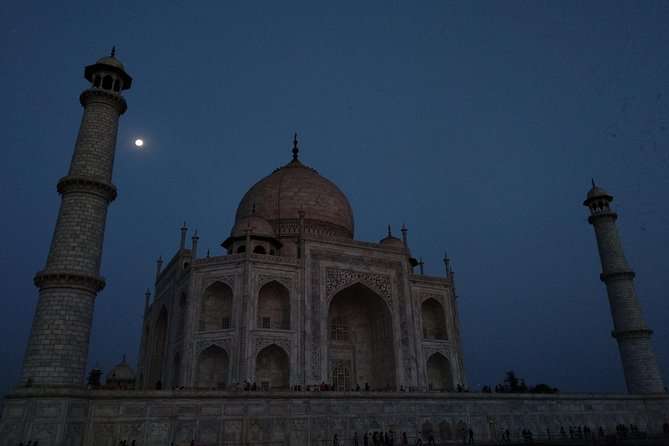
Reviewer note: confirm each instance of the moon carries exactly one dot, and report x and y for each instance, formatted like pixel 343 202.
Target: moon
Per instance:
pixel 139 142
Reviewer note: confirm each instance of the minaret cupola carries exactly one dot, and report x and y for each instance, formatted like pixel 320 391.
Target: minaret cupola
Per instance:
pixel 108 74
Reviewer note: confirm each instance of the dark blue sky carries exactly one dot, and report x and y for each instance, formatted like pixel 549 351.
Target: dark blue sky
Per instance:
pixel 479 124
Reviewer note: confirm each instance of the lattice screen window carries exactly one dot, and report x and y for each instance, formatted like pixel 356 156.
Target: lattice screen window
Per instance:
pixel 266 322
pixel 339 330
pixel 225 323
pixel 341 375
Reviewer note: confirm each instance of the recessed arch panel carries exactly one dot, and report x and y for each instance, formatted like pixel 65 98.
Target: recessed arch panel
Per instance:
pixel 274 306
pixel 216 307
pixel 212 368
pixel 434 320
pixel 273 368
pixel 439 375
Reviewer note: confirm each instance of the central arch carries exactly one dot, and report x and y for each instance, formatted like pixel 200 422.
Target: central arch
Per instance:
pixel 360 340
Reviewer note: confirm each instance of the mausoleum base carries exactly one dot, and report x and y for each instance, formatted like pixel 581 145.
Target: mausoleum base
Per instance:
pixel 77 417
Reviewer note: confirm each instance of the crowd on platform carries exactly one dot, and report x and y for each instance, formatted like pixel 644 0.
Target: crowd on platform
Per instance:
pixel 465 435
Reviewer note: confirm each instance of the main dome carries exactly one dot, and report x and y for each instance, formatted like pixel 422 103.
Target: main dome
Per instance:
pixel 280 197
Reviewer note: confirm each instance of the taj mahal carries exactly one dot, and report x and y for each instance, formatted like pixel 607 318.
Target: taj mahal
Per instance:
pixel 297 333
pixel 298 302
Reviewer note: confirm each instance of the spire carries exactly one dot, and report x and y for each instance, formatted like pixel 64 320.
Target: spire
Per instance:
pixel 404 232
pixel 184 229
pixel 390 234
pixel 296 150
pixel 147 296
pixel 159 267
pixel 194 239
pixel 592 180
pixel 113 51
pixel 447 264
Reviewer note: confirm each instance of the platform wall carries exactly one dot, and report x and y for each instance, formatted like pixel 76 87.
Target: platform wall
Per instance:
pixel 158 418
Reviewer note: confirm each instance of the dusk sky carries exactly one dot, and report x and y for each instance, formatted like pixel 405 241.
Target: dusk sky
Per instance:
pixel 478 124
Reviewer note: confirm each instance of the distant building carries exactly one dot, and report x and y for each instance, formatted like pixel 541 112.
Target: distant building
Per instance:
pixel 120 377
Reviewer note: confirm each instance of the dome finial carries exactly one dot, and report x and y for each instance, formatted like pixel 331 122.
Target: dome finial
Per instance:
pixel 592 180
pixel 390 234
pixel 113 51
pixel 296 150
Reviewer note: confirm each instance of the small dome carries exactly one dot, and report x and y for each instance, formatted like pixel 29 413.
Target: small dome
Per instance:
pixel 258 226
pixel 122 372
pixel 392 242
pixel 597 192
pixel 111 61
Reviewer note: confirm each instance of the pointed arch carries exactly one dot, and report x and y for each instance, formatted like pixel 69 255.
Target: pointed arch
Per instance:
pixel 274 306
pixel 176 370
pixel 434 319
pixel 439 377
pixel 427 430
pixel 445 431
pixel 183 308
pixel 158 348
pixel 212 368
pixel 273 368
pixel 360 339
pixel 216 307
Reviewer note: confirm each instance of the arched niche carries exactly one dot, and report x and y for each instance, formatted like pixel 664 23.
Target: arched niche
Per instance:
pixel 145 371
pixel 445 431
pixel 427 431
pixel 183 308
pixel 212 368
pixel 216 308
pixel 159 346
pixel 360 340
pixel 434 320
pixel 439 376
pixel 176 370
pixel 274 306
pixel 107 82
pixel 273 368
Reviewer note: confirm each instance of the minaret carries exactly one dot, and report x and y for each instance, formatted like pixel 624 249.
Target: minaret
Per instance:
pixel 58 346
pixel 629 329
